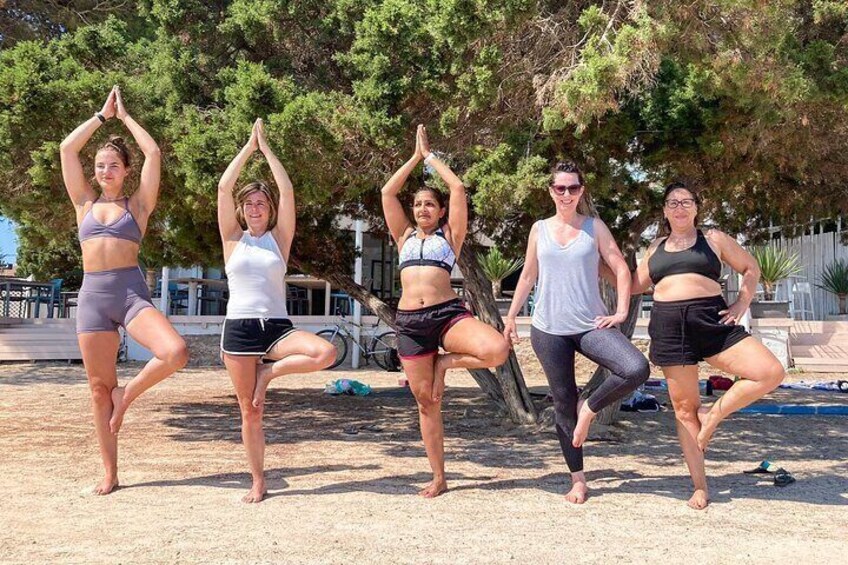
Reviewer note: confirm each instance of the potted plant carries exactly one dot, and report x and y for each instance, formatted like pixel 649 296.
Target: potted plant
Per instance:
pixel 775 265
pixel 834 279
pixel 496 267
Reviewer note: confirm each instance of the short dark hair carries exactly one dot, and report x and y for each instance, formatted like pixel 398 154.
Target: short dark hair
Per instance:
pixel 440 199
pixel 567 167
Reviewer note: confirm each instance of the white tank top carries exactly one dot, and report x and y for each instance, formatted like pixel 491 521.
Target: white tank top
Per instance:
pixel 567 297
pixel 256 274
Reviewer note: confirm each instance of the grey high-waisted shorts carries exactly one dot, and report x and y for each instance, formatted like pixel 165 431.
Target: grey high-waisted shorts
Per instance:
pixel 109 299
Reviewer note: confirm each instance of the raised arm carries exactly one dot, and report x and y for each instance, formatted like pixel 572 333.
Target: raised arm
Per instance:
pixel 148 186
pixel 396 219
pixel 76 184
pixel 227 223
pixel 614 259
pixel 286 213
pixel 458 209
pixel 742 262
pixel 526 282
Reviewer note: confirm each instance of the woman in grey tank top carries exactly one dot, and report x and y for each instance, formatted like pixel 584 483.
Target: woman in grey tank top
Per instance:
pixel 563 254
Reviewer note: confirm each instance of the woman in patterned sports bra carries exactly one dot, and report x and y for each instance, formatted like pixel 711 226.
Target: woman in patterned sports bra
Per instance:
pixel 114 293
pixel 430 313
pixel 690 322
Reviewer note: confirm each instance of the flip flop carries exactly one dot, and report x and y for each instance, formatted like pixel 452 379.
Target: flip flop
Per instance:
pixel 782 477
pixel 766 467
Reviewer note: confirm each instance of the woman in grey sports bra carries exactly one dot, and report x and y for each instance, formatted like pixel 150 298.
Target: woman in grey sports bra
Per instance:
pixel 114 293
pixel 563 257
pixel 430 313
pixel 257 232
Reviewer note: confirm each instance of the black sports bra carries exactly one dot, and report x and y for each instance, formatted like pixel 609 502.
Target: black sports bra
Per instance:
pixel 700 259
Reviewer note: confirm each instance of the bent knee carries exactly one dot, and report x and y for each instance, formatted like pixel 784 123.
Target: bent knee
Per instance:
pixel 176 354
pixel 639 372
pixel 686 412
pixel 324 355
pixel 775 374
pixel 495 352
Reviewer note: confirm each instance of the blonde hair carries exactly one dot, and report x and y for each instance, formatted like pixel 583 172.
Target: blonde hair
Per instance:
pixel 241 197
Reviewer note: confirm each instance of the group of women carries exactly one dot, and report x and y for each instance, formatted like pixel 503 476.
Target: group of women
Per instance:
pixel 566 255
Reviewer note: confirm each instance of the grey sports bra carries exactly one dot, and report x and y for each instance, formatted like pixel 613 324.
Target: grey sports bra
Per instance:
pixel 125 227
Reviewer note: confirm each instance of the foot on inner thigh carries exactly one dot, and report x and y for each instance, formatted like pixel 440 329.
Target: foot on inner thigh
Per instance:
pixel 118 409
pixel 584 420
pixel 700 499
pixel 709 422
pixel 579 491
pixel 434 488
pixel 263 379
pixel 107 485
pixel 256 493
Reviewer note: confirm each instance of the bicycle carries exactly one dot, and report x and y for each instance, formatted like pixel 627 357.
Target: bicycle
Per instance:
pixel 382 348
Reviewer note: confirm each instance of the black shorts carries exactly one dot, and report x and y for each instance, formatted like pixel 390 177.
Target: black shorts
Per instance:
pixel 253 336
pixel 420 331
pixel 684 332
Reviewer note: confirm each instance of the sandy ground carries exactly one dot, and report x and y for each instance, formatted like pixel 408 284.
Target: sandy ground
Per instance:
pixel 337 497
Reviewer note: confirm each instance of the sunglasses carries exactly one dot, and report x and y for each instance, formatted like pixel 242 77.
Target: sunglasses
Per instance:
pixel 572 189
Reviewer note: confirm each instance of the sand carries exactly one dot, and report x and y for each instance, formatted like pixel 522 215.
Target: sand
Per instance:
pixel 341 497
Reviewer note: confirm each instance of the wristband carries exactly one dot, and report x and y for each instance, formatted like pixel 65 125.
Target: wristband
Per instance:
pixel 429 157
pixel 100 117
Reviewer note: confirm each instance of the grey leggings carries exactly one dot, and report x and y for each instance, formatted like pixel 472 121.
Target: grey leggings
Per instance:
pixel 607 347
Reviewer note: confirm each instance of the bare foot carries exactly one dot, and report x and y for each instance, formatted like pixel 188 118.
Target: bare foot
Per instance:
pixel 579 492
pixel 118 409
pixel 700 499
pixel 584 420
pixel 709 422
pixel 256 493
pixel 439 372
pixel 263 379
pixel 107 485
pixel 434 488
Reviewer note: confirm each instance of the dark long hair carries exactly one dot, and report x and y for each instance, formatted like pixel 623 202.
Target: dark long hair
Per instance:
pixel 439 196
pixel 119 146
pixel 665 227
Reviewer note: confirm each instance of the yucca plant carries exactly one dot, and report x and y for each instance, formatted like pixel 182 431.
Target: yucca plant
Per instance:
pixel 497 267
pixel 834 278
pixel 775 265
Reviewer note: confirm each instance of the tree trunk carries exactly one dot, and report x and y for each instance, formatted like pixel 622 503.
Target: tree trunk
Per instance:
pixel 507 385
pixel 496 289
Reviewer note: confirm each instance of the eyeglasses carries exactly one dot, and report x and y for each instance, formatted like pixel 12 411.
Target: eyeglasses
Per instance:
pixel 686 203
pixel 572 189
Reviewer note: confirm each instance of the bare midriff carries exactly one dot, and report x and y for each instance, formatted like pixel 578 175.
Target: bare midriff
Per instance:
pixel 424 286
pixel 685 286
pixel 107 253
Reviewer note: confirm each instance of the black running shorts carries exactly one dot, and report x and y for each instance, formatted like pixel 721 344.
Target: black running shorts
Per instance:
pixel 253 336
pixel 420 331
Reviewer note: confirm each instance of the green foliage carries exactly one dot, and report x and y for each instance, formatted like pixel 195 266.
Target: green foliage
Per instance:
pixel 748 102
pixel 497 267
pixel 834 278
pixel 775 265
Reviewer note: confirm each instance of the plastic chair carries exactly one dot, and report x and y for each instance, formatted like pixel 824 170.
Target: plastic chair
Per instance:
pixel 802 300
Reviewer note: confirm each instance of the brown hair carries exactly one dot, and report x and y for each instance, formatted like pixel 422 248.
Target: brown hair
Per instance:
pixel 584 205
pixel 241 197
pixel 117 145
pixel 665 226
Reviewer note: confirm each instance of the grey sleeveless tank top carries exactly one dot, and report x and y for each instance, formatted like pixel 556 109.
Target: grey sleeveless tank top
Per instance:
pixel 567 298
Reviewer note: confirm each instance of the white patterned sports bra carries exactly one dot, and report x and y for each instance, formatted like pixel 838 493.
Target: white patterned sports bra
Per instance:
pixel 432 251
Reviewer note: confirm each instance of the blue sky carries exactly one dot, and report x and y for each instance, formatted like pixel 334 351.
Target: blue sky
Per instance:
pixel 8 240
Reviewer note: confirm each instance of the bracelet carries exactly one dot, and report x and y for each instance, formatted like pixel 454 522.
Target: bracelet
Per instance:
pixel 429 157
pixel 100 117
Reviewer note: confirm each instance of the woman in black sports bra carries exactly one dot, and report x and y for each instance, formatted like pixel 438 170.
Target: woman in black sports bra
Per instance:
pixel 430 313
pixel 690 322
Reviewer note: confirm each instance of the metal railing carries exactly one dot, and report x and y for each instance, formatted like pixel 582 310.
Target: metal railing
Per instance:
pixel 25 299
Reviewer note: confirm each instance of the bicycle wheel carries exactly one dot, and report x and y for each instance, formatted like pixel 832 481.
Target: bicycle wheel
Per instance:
pixel 384 351
pixel 339 342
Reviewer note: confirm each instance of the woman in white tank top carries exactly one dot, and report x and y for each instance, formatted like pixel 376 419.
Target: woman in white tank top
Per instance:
pixel 563 256
pixel 257 234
